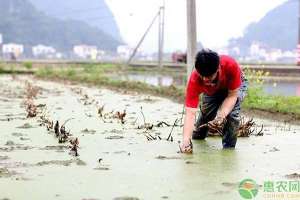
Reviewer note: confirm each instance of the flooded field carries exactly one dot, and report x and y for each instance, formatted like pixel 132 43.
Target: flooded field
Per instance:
pixel 276 87
pixel 116 160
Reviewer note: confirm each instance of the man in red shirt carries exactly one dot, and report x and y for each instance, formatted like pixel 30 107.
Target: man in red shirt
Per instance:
pixel 222 86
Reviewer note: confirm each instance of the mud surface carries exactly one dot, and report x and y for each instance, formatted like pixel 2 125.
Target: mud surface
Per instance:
pixel 116 161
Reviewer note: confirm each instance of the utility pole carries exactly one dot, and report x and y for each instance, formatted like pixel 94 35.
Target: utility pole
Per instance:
pixel 142 39
pixel 161 34
pixel 1 41
pixel 191 35
pixel 298 46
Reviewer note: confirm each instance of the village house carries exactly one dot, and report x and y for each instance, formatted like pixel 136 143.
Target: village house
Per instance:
pixel 42 51
pixel 85 51
pixel 12 50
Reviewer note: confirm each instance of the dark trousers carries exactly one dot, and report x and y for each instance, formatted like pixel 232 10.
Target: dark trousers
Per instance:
pixel 208 111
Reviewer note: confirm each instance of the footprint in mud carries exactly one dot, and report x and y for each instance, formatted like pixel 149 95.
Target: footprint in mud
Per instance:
pixel 87 131
pixel 10 143
pixel 101 168
pixel 167 158
pixel 220 192
pixel 25 126
pixel 23 179
pixel 24 138
pixel 12 148
pixel 80 162
pixel 274 149
pixel 191 162
pixel 61 162
pixel 119 152
pixel 5 173
pixel 293 176
pixel 116 131
pixel 114 137
pixel 17 134
pixel 126 198
pixel 15 165
pixel 57 148
pixel 147 100
pixel 230 185
pixel 4 100
pixel 4 157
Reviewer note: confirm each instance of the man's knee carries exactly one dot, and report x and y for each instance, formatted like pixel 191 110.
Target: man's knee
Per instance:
pixel 200 134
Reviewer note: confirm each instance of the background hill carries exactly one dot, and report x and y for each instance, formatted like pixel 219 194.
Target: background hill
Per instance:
pixel 94 12
pixel 22 23
pixel 277 29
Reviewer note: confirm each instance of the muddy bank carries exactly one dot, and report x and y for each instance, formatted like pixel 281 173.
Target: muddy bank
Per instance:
pixel 284 108
pixel 116 161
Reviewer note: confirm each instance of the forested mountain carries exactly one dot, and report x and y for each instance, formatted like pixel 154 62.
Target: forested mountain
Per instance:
pixel 22 23
pixel 93 12
pixel 277 29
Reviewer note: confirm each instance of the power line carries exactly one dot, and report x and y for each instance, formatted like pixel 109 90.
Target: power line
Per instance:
pixel 142 39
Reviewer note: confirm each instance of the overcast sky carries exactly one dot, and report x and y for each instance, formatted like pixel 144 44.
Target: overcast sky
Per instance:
pixel 217 20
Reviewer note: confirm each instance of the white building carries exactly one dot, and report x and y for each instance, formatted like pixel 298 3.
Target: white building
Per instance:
pixel 11 48
pixel 257 50
pixel 42 50
pixel 124 51
pixel 1 41
pixel 85 51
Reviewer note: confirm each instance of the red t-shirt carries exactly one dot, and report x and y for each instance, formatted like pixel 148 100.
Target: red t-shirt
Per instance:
pixel 229 78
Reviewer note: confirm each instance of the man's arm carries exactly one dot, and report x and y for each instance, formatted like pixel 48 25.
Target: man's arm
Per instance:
pixel 228 104
pixel 191 104
pixel 188 126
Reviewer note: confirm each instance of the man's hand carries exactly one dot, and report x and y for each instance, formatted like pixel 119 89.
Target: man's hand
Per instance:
pixel 217 124
pixel 186 147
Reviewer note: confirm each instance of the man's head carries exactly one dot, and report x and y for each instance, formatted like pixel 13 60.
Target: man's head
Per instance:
pixel 207 62
pixel 207 65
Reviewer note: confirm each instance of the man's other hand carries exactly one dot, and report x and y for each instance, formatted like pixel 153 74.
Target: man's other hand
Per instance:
pixel 216 124
pixel 186 147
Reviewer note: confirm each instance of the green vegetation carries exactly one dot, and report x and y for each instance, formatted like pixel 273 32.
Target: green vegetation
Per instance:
pixel 258 99
pixel 1 69
pixel 28 65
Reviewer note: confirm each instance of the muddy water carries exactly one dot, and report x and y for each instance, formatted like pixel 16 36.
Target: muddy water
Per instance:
pixel 274 87
pixel 34 166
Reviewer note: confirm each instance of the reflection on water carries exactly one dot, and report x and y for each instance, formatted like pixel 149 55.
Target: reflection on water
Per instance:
pixel 282 88
pixel 151 79
pixel 287 88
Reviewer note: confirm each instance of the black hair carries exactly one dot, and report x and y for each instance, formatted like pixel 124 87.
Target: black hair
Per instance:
pixel 207 62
